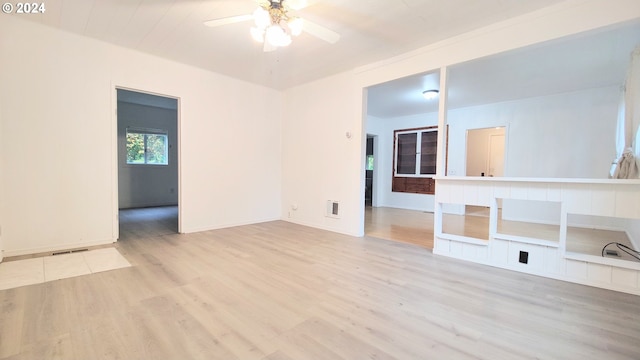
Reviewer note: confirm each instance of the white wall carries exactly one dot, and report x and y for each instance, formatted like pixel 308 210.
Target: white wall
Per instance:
pixel 556 136
pixel 147 185
pixel 632 227
pixel 319 161
pixel 2 200
pixel 57 96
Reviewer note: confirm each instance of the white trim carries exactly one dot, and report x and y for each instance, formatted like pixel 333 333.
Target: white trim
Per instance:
pixel 527 240
pixel 540 180
pixel 45 249
pixel 463 239
pixel 228 225
pixel 115 224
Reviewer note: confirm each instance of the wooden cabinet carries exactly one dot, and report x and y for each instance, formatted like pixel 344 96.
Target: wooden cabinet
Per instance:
pixel 416 185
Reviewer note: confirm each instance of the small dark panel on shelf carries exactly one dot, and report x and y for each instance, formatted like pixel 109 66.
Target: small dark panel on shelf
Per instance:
pixel 612 253
pixel 524 257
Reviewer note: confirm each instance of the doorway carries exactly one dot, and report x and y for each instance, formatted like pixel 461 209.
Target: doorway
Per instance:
pixel 485 152
pixel 369 169
pixel 148 163
pixel 485 157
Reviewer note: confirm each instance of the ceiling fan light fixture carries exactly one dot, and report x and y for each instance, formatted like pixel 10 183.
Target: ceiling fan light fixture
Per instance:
pixel 430 94
pixel 274 25
pixel 295 25
pixel 277 36
pixel 275 13
pixel 262 18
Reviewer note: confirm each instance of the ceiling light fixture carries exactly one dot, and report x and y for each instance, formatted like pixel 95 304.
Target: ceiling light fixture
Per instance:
pixel 274 26
pixel 430 94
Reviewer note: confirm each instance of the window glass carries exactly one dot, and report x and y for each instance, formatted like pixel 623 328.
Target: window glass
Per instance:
pixel 428 148
pixel 147 147
pixel 406 156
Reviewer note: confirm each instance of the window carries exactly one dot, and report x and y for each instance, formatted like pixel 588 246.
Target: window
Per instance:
pixel 414 160
pixel 147 146
pixel 415 152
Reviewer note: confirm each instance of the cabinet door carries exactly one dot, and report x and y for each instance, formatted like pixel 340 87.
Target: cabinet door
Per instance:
pixel 399 184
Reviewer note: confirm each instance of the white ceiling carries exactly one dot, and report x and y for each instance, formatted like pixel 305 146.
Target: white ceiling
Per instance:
pixel 371 30
pixel 135 97
pixel 590 60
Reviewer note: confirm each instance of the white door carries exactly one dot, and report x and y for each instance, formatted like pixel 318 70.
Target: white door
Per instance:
pixel 485 152
pixel 496 155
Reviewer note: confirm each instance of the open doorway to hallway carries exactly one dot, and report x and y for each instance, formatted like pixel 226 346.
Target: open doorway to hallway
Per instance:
pixel 403 225
pixel 403 125
pixel 148 222
pixel 369 169
pixel 147 164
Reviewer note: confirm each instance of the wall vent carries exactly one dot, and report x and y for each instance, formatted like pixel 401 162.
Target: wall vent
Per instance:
pixel 333 209
pixel 69 251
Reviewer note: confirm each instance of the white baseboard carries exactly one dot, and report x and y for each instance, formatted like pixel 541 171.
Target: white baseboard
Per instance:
pixel 225 225
pixel 57 247
pixel 321 227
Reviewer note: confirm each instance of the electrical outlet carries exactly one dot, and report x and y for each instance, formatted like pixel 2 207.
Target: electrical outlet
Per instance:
pixel 612 253
pixel 524 257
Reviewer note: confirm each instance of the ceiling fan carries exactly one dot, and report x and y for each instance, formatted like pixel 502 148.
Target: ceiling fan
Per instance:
pixel 274 24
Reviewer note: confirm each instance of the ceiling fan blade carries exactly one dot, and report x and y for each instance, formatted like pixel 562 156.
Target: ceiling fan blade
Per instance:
pixel 320 32
pixel 228 20
pixel 297 4
pixel 268 47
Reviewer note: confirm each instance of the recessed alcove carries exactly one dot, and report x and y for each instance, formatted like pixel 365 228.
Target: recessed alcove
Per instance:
pixel 533 219
pixel 595 235
pixel 468 226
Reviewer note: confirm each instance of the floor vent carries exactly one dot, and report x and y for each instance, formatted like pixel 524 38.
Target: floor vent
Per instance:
pixel 69 251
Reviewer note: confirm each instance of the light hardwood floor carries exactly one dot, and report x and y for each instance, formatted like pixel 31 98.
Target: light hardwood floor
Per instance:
pixel 408 226
pixel 278 291
pixel 416 227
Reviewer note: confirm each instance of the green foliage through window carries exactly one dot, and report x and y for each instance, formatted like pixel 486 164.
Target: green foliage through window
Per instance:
pixel 147 148
pixel 369 162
